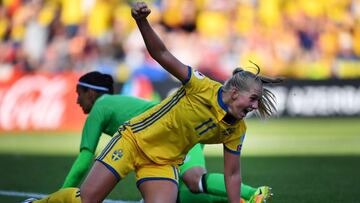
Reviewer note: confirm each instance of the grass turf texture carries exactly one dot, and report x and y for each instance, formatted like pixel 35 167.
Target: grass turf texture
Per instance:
pixel 304 160
pixel 294 179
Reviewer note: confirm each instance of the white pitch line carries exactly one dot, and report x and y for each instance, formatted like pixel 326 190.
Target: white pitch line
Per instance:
pixel 38 195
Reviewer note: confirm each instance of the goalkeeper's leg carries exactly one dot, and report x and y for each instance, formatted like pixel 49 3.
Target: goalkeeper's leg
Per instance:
pixel 66 195
pixel 186 196
pixel 213 183
pixel 193 174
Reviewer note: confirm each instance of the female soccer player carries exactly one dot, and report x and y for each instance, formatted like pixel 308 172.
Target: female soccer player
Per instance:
pixel 106 112
pixel 154 143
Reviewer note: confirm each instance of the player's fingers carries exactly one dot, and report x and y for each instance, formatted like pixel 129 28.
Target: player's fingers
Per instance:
pixel 141 4
pixel 143 7
pixel 140 9
pixel 134 12
pixel 138 6
pixel 145 10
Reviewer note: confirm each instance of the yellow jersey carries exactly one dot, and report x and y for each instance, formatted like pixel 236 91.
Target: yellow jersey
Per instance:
pixel 193 114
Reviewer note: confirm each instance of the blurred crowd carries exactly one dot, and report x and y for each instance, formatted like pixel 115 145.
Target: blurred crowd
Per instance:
pixel 304 39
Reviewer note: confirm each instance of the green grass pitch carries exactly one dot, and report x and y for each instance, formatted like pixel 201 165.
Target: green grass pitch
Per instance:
pixel 303 160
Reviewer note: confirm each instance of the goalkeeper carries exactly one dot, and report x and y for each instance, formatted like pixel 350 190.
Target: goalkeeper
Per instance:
pixel 106 112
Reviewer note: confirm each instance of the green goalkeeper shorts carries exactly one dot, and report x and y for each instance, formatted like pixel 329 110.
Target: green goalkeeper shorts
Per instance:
pixel 194 158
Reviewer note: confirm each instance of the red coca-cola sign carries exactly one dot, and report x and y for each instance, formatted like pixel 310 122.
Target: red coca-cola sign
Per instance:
pixel 39 101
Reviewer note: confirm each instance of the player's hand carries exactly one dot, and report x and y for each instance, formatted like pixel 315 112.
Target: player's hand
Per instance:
pixel 140 10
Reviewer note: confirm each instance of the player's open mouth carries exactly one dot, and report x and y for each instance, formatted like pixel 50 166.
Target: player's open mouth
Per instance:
pixel 247 110
pixel 243 113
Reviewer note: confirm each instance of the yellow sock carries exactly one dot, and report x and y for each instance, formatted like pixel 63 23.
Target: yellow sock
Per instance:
pixel 66 195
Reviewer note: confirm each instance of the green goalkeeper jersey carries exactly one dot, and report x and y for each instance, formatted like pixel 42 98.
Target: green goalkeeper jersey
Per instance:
pixel 106 115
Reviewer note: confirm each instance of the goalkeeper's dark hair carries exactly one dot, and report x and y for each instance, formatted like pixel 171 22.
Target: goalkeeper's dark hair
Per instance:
pixel 99 82
pixel 242 80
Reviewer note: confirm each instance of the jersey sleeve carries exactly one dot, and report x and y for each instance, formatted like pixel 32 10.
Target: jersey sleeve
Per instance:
pixel 234 142
pixel 89 140
pixel 79 169
pixel 93 128
pixel 197 82
pixel 234 145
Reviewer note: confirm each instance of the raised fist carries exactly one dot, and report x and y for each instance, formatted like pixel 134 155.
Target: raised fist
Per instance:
pixel 140 10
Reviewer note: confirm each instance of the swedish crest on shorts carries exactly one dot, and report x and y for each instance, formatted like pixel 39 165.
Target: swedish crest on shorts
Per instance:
pixel 117 154
pixel 238 148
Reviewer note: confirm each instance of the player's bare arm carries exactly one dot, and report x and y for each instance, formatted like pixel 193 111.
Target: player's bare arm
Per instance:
pixel 232 176
pixel 154 44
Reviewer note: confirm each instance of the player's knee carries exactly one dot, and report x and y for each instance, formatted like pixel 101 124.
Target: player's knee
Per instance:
pixel 193 179
pixel 193 186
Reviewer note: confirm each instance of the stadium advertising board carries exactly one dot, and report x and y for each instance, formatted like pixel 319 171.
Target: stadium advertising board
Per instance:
pixel 318 98
pixel 44 101
pixel 307 98
pixel 39 101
